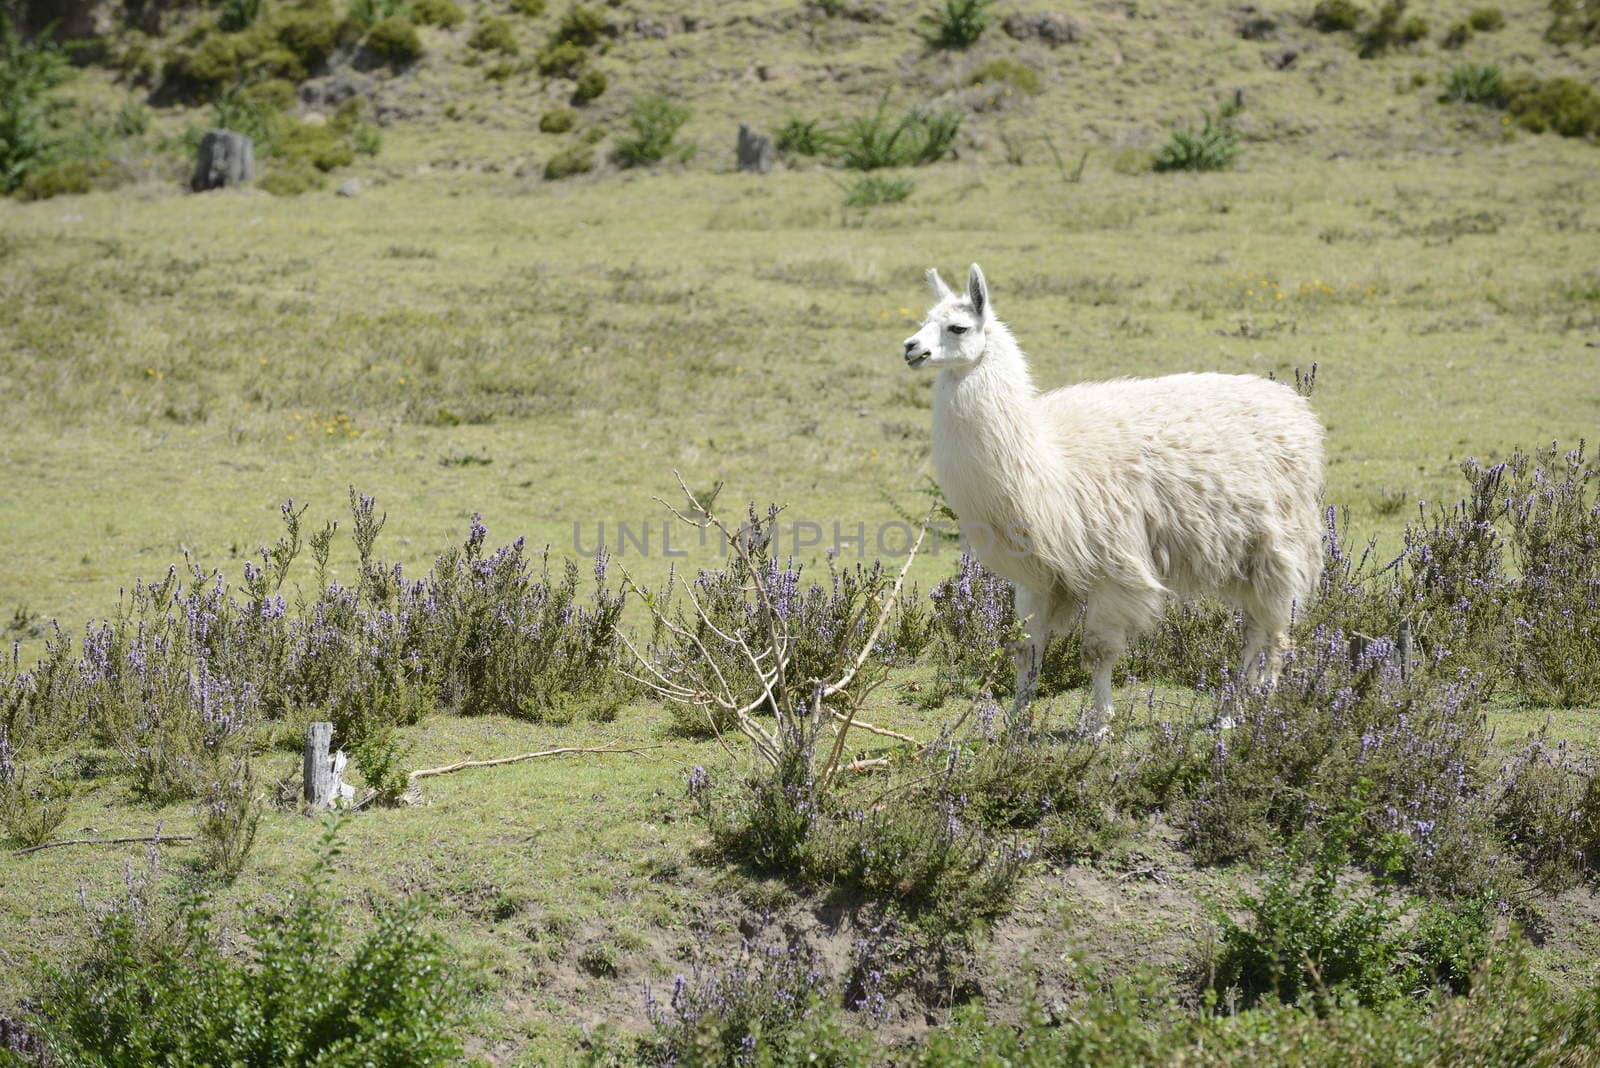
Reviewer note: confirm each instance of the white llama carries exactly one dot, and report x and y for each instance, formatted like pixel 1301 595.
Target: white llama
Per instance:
pixel 1108 495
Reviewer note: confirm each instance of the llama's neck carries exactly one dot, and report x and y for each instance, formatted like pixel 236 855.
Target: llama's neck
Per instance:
pixel 995 394
pixel 985 428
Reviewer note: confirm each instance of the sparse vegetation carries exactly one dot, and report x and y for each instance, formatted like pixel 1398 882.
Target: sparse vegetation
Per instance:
pixel 1336 16
pixel 959 23
pixel 494 35
pixel 1213 147
pixel 558 120
pixel 442 13
pixel 1006 73
pixel 395 41
pixel 1468 84
pixel 653 121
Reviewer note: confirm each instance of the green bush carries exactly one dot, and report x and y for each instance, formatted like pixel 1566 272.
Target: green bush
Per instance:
pixel 229 813
pixel 1213 147
pixel 653 122
pixel 1336 16
pixel 1310 934
pixel 591 85
pixel 558 120
pixel 56 179
pixel 290 178
pixel 1574 22
pixel 30 812
pixel 1007 72
pixel 199 74
pixel 240 14
pixel 805 137
pixel 364 14
pixel 871 190
pixel 580 25
pixel 531 8
pixel 494 35
pixel 395 41
pixel 1486 20
pixel 1470 84
pixel 959 23
pixel 165 989
pixel 441 13
pixel 1560 105
pixel 562 60
pixel 578 159
pixel 309 35
pixel 27 73
pixel 879 139
pixel 1392 28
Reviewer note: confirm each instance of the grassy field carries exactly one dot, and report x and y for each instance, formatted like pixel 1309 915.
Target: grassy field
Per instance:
pixel 465 338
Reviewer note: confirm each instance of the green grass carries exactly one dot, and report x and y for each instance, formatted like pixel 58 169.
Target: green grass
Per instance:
pixel 460 339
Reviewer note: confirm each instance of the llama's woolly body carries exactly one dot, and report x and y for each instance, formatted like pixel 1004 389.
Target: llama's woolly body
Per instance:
pixel 1106 496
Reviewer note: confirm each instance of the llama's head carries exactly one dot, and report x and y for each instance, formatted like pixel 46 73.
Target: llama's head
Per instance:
pixel 953 332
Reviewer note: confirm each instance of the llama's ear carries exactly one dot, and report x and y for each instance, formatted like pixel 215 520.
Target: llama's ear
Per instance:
pixel 978 291
pixel 940 290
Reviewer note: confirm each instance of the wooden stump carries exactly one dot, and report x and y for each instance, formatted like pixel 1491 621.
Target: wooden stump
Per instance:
pixel 322 775
pixel 755 151
pixel 223 159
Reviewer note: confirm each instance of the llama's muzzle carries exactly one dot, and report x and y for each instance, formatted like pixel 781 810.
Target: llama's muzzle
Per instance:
pixel 914 355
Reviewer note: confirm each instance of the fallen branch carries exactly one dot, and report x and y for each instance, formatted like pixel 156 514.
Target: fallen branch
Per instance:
pixel 104 841
pixel 461 765
pixel 861 724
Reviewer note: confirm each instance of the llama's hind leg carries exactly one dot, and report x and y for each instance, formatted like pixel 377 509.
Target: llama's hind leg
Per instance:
pixel 1104 639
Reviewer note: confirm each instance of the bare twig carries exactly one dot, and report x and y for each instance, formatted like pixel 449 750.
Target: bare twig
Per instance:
pixel 104 841
pixel 461 765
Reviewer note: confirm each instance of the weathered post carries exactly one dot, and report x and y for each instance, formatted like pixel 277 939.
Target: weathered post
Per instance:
pixel 755 151
pixel 223 159
pixel 322 775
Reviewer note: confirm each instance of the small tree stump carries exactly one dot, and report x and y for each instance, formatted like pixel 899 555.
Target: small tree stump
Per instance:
pixel 322 775
pixel 755 151
pixel 223 159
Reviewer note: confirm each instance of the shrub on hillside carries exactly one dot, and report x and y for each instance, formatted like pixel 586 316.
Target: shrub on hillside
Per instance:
pixel 805 137
pixel 558 120
pixel 1006 72
pixel 871 191
pixel 578 159
pixel 582 26
pixel 562 60
pixel 1473 84
pixel 494 35
pixel 63 178
pixel 1486 19
pixel 1310 933
pixel 1213 147
pixel 157 988
pixel 442 13
pixel 395 41
pixel 959 23
pixel 530 8
pixel 880 139
pixel 1558 105
pixel 1336 16
pixel 1574 22
pixel 1391 28
pixel 591 86
pixel 653 122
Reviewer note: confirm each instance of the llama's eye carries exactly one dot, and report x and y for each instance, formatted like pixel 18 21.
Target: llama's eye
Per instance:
pixel 957 328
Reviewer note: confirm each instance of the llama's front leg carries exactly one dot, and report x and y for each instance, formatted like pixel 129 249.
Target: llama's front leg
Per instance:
pixel 1033 610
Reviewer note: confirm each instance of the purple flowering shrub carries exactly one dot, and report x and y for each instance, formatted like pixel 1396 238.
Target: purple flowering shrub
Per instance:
pixel 1338 734
pixel 228 813
pixel 1553 511
pixel 181 678
pixel 1547 809
pixel 822 624
pixel 30 809
pixel 775 1004
pixel 919 847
